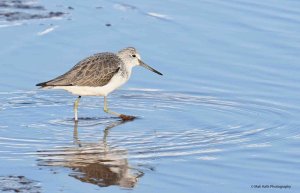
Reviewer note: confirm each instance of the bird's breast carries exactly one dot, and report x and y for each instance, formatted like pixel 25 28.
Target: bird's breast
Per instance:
pixel 116 81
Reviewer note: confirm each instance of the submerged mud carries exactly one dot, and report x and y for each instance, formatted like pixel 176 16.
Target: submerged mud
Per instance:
pixel 25 10
pixel 18 184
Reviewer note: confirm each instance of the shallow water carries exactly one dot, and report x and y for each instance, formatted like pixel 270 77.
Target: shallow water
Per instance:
pixel 224 117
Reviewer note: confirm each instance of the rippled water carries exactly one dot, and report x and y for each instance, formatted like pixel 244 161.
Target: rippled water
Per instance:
pixel 224 117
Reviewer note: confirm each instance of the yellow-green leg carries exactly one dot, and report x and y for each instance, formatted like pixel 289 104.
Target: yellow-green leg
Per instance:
pixel 76 103
pixel 107 110
pixel 123 117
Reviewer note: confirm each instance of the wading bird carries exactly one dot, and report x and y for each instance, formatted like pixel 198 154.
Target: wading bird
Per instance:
pixel 99 75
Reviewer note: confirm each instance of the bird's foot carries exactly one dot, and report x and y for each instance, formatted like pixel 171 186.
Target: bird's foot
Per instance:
pixel 127 117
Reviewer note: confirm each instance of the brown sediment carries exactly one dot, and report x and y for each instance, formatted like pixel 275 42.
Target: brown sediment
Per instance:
pixel 127 117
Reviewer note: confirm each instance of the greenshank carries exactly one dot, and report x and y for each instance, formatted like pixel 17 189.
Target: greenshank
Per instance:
pixel 99 75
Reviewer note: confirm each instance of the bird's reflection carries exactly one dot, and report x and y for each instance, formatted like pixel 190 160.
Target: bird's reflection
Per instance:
pixel 95 163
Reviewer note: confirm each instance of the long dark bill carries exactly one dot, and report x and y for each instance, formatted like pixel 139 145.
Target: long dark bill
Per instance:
pixel 149 68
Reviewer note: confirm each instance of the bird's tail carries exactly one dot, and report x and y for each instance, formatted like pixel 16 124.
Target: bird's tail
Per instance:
pixel 42 84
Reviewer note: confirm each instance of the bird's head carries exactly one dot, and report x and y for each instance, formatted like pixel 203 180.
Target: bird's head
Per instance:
pixel 132 58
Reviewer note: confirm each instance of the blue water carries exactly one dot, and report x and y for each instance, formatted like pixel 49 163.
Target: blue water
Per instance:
pixel 224 117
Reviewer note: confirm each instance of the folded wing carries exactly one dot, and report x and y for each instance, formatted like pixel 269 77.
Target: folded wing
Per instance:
pixel 96 70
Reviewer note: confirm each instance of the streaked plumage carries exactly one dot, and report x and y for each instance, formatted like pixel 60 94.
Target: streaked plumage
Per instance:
pixel 94 71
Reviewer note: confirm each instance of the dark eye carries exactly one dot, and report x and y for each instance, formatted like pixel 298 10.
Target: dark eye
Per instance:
pixel 133 55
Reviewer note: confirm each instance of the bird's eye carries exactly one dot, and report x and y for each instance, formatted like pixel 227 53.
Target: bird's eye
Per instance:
pixel 133 55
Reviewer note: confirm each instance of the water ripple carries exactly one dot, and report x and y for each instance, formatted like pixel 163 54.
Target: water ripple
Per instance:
pixel 218 124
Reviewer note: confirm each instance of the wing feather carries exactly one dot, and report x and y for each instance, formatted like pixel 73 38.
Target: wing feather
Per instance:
pixel 96 70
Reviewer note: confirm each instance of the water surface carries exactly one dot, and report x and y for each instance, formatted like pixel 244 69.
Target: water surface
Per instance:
pixel 224 116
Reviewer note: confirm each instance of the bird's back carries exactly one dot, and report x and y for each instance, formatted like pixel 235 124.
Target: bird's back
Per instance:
pixel 96 70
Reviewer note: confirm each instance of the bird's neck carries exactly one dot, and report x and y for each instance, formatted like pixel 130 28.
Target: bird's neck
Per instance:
pixel 128 69
pixel 126 64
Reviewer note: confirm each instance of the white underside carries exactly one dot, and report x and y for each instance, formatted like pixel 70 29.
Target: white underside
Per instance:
pixel 113 84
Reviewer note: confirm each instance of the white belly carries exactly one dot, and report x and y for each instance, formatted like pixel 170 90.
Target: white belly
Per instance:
pixel 113 84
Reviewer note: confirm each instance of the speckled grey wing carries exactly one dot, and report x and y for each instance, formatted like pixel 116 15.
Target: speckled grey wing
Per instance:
pixel 96 70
